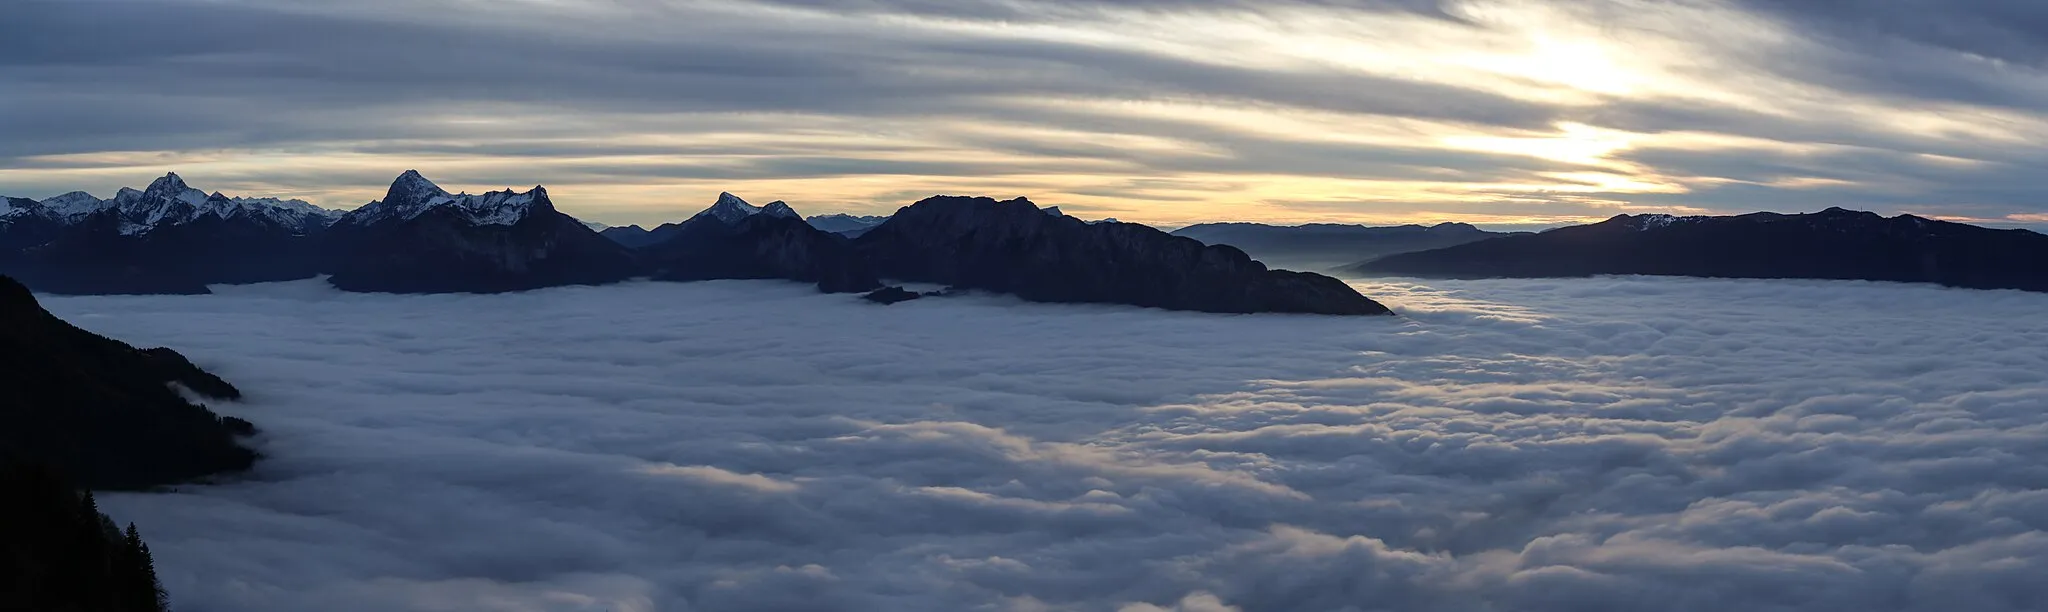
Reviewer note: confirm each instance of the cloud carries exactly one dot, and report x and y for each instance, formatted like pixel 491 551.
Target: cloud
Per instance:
pixel 1590 444
pixel 639 111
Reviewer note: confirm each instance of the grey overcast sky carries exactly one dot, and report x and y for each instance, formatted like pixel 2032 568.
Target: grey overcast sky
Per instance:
pixel 1162 111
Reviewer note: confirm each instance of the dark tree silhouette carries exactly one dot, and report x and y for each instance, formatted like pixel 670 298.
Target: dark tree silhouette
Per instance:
pixel 58 553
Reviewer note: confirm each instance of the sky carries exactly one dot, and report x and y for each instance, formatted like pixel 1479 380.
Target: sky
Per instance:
pixel 1577 445
pixel 1158 111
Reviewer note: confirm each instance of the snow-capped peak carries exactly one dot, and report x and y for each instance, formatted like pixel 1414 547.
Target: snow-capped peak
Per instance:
pixel 413 184
pixel 167 201
pixel 412 195
pixel 170 201
pixel 73 204
pixel 171 184
pixel 780 208
pixel 731 209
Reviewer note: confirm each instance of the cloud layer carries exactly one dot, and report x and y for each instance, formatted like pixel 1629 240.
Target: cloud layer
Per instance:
pixel 1160 111
pixel 1602 444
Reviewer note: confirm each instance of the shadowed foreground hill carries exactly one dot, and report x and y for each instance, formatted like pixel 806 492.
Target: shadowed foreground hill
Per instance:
pixel 1015 247
pixel 1831 244
pixel 102 412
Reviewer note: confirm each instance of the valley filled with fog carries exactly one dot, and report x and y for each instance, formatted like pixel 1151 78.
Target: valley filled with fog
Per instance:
pixel 1591 444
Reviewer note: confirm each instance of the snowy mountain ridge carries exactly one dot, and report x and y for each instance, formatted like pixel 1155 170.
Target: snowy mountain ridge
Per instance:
pixel 730 209
pixel 412 195
pixel 169 201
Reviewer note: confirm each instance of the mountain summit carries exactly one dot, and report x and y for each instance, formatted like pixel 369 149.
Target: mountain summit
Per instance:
pixel 412 195
pixel 1015 247
pixel 422 239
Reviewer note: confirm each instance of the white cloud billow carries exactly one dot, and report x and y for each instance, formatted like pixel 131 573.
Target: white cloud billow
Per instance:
pixel 1604 444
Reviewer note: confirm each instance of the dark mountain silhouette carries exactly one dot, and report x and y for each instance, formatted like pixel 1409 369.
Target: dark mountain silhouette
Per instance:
pixel 421 239
pixel 1015 247
pixel 1831 244
pixel 93 257
pixel 630 236
pixel 58 552
pixel 1322 246
pixel 101 411
pixel 732 240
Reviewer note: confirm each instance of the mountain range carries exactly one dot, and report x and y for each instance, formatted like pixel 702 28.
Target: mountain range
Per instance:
pixel 1322 246
pixel 419 238
pixel 1830 244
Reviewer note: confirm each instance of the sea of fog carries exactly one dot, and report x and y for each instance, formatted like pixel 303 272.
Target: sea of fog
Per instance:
pixel 1570 445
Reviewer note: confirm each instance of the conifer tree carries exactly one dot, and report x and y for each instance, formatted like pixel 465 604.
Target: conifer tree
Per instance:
pixel 140 590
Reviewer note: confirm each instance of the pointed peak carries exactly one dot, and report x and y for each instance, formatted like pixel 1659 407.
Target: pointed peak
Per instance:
pixel 1054 211
pixel 729 209
pixel 413 178
pixel 168 183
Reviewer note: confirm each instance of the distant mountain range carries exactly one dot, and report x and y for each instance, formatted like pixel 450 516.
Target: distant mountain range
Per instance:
pixel 850 226
pixel 1323 246
pixel 1831 244
pixel 419 238
pixel 422 239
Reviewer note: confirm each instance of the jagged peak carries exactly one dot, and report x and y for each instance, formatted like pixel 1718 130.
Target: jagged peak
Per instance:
pixel 412 195
pixel 730 209
pixel 412 184
pixel 1054 211
pixel 170 182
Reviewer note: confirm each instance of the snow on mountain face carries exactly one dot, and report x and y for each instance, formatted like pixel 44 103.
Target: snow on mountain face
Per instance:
pixel 296 214
pixel 15 207
pixel 729 209
pixel 74 204
pixel 413 195
pixel 169 201
pixel 297 206
pixel 779 208
pixel 1650 222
